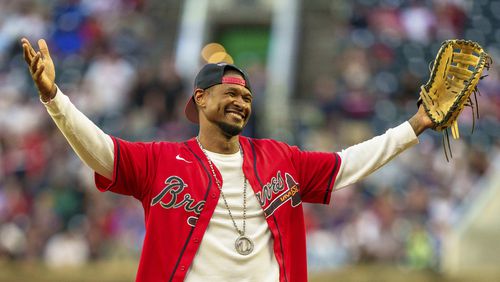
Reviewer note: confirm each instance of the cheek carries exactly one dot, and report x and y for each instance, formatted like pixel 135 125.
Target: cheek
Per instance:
pixel 218 108
pixel 221 106
pixel 215 105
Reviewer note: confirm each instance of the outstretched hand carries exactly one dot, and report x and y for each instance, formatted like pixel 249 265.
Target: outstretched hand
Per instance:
pixel 41 68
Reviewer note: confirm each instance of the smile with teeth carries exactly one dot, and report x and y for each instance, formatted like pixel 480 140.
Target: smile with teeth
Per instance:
pixel 236 114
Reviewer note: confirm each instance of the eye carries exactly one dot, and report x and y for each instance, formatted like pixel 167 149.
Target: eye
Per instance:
pixel 247 99
pixel 231 94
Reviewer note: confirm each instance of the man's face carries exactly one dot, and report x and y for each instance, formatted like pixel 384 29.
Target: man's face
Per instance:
pixel 228 105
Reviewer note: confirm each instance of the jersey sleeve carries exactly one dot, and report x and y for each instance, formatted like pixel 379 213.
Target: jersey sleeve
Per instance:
pixel 317 172
pixel 133 169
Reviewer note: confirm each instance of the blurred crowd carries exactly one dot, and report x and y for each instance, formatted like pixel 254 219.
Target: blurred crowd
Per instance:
pixel 50 210
pixel 102 50
pixel 382 50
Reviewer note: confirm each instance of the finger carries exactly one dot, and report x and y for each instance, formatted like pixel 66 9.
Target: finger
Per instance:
pixel 24 40
pixel 34 62
pixel 44 48
pixel 30 48
pixel 27 54
pixel 39 72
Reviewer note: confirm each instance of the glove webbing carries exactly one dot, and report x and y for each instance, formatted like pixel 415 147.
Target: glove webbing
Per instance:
pixel 474 108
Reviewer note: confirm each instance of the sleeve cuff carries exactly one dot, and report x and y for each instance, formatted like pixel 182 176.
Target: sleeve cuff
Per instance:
pixel 406 134
pixel 55 105
pixel 50 101
pixel 102 183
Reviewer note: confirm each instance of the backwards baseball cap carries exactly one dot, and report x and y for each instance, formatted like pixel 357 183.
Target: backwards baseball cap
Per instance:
pixel 210 75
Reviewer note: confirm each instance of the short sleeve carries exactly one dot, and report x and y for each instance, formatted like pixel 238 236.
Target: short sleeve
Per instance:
pixel 317 172
pixel 133 169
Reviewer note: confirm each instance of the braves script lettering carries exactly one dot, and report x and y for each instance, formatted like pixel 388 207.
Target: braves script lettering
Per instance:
pixel 169 198
pixel 274 186
pixel 292 194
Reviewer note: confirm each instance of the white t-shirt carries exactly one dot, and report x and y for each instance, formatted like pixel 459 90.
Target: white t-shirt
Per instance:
pixel 217 254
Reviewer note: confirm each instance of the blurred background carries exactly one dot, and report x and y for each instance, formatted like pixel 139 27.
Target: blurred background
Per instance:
pixel 325 75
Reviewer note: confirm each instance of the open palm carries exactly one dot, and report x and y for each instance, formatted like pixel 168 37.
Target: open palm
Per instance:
pixel 41 68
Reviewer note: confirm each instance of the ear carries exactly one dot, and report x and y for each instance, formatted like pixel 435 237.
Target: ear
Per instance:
pixel 200 96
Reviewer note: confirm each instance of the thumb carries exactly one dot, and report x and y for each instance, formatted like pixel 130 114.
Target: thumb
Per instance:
pixel 42 45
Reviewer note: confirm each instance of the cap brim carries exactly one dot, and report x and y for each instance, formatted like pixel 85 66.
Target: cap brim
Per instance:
pixel 191 111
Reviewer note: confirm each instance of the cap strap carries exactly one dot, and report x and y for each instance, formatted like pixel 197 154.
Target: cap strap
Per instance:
pixel 233 80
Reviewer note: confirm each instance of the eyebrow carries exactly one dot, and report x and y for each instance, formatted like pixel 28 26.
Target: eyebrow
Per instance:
pixel 230 88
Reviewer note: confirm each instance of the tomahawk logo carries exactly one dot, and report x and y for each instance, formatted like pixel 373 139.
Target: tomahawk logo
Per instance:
pixel 290 194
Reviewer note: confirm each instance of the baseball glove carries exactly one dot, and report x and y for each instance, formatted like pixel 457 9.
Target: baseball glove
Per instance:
pixel 454 77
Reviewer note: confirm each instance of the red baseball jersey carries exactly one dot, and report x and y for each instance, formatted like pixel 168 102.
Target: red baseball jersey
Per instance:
pixel 178 193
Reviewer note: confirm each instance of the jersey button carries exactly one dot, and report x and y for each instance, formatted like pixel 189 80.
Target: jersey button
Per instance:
pixel 196 240
pixel 183 268
pixel 213 195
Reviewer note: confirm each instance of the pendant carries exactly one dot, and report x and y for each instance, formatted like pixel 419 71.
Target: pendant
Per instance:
pixel 243 245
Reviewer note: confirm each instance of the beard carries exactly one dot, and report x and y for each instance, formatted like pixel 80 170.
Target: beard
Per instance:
pixel 229 129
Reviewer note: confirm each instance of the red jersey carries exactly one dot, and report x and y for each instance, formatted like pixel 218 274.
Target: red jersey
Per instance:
pixel 175 185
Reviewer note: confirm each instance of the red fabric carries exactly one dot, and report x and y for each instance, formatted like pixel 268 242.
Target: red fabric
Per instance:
pixel 174 183
pixel 233 80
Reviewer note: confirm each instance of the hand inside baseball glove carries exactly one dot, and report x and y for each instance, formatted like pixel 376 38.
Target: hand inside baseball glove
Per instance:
pixel 454 77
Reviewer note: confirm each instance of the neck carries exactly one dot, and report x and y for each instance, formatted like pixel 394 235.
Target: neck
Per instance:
pixel 217 142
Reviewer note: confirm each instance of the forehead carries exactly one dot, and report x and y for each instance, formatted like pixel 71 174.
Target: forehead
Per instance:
pixel 232 87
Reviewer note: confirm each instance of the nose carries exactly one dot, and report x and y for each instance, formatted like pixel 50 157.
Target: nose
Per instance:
pixel 238 101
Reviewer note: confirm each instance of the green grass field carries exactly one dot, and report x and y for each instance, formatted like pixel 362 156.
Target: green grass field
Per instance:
pixel 117 271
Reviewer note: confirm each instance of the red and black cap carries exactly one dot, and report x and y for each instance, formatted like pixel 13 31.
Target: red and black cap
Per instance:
pixel 210 75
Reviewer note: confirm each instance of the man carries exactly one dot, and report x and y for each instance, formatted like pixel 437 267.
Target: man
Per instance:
pixel 220 206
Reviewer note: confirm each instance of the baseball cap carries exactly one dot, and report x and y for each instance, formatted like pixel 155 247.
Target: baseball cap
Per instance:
pixel 208 76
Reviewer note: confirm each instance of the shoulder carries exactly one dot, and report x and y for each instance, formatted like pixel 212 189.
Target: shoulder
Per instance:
pixel 263 141
pixel 153 146
pixel 268 144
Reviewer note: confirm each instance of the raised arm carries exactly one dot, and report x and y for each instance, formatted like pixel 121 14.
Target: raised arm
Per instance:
pixel 361 160
pixel 90 143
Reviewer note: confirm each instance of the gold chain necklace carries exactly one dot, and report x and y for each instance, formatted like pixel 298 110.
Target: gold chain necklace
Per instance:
pixel 243 244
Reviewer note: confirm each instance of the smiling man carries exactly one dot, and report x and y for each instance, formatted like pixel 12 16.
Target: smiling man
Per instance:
pixel 228 112
pixel 220 206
